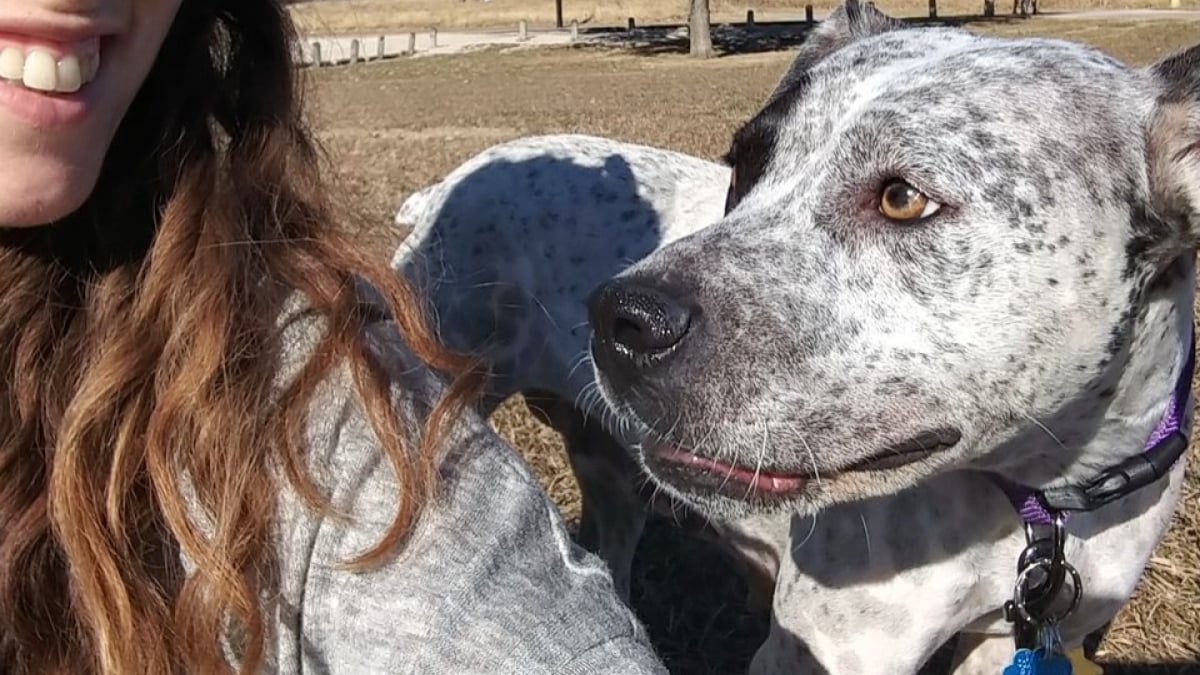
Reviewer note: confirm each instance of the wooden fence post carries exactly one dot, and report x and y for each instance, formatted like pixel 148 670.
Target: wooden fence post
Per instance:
pixel 631 24
pixel 354 49
pixel 933 9
pixel 749 17
pixel 574 30
pixel 412 44
pixel 316 54
pixel 379 48
pixel 808 13
pixel 522 31
pixel 433 33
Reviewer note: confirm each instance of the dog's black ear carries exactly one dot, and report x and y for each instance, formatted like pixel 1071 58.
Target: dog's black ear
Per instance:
pixel 850 22
pixel 1173 148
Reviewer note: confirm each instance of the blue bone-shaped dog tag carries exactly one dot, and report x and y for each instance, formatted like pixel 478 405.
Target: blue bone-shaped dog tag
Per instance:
pixel 1030 662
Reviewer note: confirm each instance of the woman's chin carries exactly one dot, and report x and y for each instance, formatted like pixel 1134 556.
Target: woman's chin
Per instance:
pixel 33 194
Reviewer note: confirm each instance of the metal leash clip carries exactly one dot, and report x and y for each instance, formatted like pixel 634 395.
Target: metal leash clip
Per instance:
pixel 1042 571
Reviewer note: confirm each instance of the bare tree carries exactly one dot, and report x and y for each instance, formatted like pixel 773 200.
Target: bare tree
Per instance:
pixel 699 29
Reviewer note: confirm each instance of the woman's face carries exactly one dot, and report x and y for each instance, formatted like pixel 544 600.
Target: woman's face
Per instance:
pixel 69 70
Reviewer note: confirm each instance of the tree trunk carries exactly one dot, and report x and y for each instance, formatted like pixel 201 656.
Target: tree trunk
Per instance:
pixel 699 29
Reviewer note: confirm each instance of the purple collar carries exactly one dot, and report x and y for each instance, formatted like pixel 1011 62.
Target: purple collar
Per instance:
pixel 1165 447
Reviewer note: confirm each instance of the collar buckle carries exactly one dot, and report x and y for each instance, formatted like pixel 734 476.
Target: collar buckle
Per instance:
pixel 1118 481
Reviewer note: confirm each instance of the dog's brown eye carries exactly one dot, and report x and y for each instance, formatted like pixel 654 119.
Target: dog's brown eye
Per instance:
pixel 903 202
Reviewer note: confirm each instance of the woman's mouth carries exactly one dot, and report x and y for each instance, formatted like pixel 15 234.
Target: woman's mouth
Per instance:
pixel 48 67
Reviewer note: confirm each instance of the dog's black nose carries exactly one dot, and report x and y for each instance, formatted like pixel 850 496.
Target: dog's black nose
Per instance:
pixel 637 323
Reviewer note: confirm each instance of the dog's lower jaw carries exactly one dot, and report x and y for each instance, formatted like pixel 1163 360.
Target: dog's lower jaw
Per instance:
pixel 714 505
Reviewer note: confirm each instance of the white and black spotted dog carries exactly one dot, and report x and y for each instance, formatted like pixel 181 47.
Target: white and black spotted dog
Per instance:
pixel 952 291
pixel 955 274
pixel 506 249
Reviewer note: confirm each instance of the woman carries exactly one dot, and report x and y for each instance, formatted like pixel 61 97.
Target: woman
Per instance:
pixel 211 459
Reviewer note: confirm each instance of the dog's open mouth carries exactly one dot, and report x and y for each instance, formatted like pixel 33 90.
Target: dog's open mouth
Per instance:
pixel 677 465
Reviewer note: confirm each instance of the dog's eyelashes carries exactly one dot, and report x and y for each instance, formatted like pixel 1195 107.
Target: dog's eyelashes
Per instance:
pixel 901 202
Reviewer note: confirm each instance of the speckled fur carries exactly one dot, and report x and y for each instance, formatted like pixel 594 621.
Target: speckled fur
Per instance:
pixel 506 249
pixel 1043 313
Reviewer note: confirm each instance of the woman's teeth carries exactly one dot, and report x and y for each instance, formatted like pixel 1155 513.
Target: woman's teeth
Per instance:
pixel 38 70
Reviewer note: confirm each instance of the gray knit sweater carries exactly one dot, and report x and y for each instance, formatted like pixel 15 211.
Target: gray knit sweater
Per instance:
pixel 490 583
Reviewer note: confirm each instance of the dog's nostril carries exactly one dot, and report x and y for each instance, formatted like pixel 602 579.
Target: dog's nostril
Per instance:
pixel 640 320
pixel 627 331
pixel 650 329
pixel 647 322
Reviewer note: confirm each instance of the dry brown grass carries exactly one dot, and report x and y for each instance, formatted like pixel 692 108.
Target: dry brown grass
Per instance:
pixel 398 125
pixel 349 16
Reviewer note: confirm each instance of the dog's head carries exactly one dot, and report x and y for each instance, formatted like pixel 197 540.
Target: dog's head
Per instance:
pixel 934 242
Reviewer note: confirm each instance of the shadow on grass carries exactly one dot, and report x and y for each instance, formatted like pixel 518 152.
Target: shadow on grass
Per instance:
pixel 693 602
pixel 739 38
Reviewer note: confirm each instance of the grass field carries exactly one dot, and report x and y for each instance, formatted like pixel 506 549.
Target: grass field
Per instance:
pixel 404 15
pixel 395 126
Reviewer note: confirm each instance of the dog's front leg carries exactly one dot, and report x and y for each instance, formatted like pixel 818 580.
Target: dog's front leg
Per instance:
pixel 613 516
pixel 877 587
pixel 982 654
pixel 835 637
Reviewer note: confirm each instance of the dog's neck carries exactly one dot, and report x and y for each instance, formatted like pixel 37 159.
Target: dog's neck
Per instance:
pixel 1092 434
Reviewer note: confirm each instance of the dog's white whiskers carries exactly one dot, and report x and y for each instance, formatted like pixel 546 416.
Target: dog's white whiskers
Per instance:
pixel 762 451
pixel 866 533
pixel 545 311
pixel 583 400
pixel 812 458
pixel 584 358
pixel 812 528
pixel 1044 428
pixel 670 433
pixel 490 284
pixel 703 441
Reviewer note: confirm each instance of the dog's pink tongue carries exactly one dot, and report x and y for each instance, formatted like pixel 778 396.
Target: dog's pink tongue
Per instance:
pixel 761 481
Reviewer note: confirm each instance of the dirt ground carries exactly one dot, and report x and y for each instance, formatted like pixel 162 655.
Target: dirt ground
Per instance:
pixel 394 126
pixel 334 16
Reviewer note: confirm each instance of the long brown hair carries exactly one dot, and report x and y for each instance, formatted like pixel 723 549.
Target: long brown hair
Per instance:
pixel 138 345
